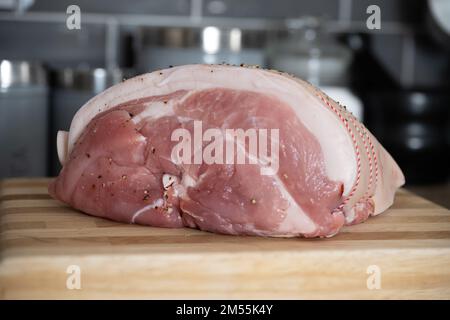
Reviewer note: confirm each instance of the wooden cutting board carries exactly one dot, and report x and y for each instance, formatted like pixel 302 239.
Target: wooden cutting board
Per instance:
pixel 48 249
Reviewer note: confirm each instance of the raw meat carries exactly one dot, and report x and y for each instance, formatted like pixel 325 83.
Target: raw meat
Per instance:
pixel 324 169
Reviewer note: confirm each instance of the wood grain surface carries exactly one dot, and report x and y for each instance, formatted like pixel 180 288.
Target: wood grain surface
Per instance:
pixel 408 247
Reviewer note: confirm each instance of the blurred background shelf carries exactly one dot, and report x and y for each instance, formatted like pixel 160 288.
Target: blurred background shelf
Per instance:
pixel 396 79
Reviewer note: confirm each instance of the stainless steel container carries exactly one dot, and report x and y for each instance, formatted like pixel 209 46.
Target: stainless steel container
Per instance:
pixel 71 89
pixel 23 119
pixel 310 53
pixel 162 47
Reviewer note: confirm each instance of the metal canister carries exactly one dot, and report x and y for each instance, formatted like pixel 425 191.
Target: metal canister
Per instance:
pixel 71 89
pixel 23 119
pixel 162 47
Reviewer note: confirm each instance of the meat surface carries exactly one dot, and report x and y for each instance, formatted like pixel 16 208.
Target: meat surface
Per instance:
pixel 314 167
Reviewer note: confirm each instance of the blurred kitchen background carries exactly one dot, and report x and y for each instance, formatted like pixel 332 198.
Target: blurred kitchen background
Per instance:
pixel 395 79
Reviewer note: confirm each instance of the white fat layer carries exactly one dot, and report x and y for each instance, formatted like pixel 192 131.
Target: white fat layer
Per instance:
pixel 390 178
pixel 187 181
pixel 168 180
pixel 61 143
pixel 155 110
pixel 340 162
pixel 350 215
pixel 157 203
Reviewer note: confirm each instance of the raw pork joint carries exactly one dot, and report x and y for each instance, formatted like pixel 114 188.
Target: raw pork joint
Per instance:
pixel 118 158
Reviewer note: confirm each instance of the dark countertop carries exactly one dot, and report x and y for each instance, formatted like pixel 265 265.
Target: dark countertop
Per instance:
pixel 439 194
